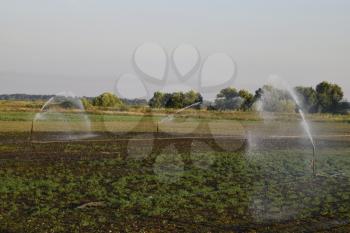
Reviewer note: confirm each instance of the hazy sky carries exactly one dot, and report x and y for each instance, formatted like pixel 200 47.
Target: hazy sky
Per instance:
pixel 83 45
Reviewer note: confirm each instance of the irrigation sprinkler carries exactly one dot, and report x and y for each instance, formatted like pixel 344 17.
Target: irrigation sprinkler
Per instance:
pixel 31 131
pixel 308 132
pixel 170 116
pixel 313 159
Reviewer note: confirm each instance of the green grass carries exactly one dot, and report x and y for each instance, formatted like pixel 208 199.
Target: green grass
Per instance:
pixel 16 116
pixel 28 116
pixel 226 123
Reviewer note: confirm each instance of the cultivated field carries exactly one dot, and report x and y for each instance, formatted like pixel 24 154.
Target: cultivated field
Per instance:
pixel 198 172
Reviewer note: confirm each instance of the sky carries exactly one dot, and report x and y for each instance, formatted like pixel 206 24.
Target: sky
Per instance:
pixel 82 46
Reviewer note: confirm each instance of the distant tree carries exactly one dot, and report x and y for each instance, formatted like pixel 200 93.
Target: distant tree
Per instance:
pixel 272 99
pixel 107 100
pixel 174 100
pixel 86 103
pixel 67 104
pixel 308 98
pixel 258 94
pixel 328 96
pixel 192 97
pixel 134 102
pixel 177 100
pixel 228 93
pixel 228 99
pixel 157 101
pixel 343 107
pixel 25 97
pixel 166 100
pixel 231 104
pixel 248 99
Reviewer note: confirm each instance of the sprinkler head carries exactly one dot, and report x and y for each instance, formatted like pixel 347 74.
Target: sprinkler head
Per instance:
pixel 297 108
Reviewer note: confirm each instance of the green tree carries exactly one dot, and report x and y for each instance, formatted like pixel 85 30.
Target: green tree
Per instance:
pixel 228 93
pixel 157 101
pixel 107 100
pixel 177 100
pixel 308 98
pixel 343 107
pixel 248 99
pixel 86 103
pixel 274 100
pixel 192 97
pixel 174 100
pixel 328 96
pixel 228 99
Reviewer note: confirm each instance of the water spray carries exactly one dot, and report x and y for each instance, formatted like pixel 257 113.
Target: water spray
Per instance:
pixel 305 125
pixel 304 122
pixel 35 118
pixel 307 129
pixel 187 107
pixel 171 116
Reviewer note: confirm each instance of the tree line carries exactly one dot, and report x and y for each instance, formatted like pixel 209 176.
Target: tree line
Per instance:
pixel 324 98
pixel 25 97
pixel 175 99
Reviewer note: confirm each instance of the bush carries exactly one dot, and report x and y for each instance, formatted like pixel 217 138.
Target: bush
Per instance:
pixel 86 103
pixel 107 100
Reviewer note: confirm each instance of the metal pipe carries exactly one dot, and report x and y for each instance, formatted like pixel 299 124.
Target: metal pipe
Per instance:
pixel 313 159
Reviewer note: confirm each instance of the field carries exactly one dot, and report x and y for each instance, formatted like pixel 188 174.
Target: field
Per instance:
pixel 201 172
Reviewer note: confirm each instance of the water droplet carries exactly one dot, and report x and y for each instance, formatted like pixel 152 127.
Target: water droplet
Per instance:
pixel 62 117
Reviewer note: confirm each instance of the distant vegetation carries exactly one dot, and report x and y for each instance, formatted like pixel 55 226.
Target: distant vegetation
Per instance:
pixel 25 97
pixel 324 98
pixel 174 100
pixel 107 100
pixel 232 99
